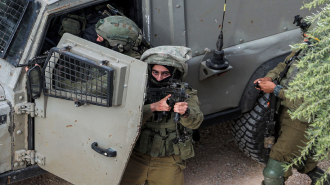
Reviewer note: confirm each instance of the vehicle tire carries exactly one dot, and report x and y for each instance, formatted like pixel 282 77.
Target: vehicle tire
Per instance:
pixel 248 130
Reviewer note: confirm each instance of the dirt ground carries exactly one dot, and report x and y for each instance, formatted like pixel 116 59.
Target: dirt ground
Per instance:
pixel 218 161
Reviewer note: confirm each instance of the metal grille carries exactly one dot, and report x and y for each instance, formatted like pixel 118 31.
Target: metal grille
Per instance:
pixel 69 76
pixel 11 13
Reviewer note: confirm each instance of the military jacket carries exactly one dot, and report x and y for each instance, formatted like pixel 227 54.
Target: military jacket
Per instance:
pixel 292 73
pixel 156 138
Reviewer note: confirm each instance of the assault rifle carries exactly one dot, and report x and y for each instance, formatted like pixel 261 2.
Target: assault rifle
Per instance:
pixel 178 94
pixel 269 136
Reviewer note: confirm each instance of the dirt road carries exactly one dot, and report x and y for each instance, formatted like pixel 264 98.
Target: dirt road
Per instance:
pixel 218 161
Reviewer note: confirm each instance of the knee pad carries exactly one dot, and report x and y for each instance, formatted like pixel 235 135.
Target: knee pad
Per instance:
pixel 273 173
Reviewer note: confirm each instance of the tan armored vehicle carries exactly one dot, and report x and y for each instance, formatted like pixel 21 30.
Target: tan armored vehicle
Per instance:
pixel 77 113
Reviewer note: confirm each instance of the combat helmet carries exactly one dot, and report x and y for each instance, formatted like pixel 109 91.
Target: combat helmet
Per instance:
pixel 175 56
pixel 120 32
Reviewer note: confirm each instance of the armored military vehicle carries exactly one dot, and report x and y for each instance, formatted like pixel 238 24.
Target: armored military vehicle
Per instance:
pixel 73 108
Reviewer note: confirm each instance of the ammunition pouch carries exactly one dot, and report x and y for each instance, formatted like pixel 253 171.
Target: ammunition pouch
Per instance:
pixel 163 142
pixel 184 149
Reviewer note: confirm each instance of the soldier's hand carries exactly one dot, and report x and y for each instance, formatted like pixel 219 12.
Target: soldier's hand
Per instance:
pixel 263 79
pixel 180 107
pixel 267 86
pixel 161 105
pixel 259 80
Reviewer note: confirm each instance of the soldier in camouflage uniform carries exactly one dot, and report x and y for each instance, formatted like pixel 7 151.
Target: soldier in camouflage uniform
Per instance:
pixel 157 158
pixel 118 33
pixel 291 134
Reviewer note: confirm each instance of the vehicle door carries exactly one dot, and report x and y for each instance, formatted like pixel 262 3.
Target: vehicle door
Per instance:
pixel 89 114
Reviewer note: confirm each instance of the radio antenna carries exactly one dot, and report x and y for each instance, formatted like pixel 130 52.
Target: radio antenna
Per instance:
pixel 218 61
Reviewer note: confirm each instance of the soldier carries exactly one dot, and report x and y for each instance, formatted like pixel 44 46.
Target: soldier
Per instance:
pixel 158 157
pixel 118 33
pixel 115 32
pixel 291 134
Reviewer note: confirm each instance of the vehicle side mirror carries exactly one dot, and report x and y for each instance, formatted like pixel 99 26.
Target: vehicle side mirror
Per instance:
pixel 34 83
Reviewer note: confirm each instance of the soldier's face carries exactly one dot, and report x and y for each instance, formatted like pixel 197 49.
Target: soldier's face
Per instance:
pixel 160 72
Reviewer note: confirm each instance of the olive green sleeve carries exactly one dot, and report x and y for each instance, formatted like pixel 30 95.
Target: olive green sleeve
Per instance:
pixel 276 71
pixel 280 67
pixel 147 113
pixel 195 117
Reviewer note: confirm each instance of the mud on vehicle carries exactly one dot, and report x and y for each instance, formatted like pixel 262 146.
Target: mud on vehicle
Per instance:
pixel 77 113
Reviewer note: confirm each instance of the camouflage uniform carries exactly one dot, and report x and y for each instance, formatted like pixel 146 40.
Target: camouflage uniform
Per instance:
pixel 162 164
pixel 291 134
pixel 119 32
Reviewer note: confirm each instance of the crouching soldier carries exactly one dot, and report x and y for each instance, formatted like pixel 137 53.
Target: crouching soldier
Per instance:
pixel 165 142
pixel 291 136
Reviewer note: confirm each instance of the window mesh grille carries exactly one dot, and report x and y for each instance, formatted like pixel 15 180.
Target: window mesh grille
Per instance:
pixel 69 76
pixel 11 13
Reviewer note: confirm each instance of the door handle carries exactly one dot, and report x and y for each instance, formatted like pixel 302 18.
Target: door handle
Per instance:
pixel 106 152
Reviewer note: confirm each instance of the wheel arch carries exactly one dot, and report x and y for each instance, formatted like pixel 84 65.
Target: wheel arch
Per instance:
pixel 250 94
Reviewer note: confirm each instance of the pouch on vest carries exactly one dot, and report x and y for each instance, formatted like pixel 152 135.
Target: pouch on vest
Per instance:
pixel 144 141
pixel 169 150
pixel 184 149
pixel 157 147
pixel 73 24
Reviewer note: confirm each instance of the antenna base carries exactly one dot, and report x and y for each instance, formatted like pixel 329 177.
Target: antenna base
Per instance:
pixel 217 62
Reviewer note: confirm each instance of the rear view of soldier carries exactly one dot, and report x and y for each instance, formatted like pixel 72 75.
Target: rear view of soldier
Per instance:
pixel 118 33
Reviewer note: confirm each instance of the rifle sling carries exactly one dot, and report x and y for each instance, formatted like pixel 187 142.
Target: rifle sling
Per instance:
pixel 270 124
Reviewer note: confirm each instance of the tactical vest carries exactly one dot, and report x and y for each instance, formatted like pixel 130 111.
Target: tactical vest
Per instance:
pixel 159 139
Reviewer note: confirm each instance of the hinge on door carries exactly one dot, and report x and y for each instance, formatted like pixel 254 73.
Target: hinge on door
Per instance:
pixel 25 108
pixel 23 157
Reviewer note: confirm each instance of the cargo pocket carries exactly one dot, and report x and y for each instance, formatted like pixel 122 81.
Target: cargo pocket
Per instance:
pixel 179 162
pixel 157 147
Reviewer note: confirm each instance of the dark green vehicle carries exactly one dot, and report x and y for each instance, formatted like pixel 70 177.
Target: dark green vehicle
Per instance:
pixel 86 137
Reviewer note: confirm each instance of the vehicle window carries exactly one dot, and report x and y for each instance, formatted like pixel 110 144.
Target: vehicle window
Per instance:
pixel 16 20
pixel 79 22
pixel 72 77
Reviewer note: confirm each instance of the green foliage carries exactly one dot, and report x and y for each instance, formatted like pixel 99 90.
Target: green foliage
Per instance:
pixel 313 85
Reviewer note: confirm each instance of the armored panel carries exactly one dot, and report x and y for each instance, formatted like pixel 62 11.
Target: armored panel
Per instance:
pixel 65 135
pixel 72 77
pixel 196 24
pixel 11 13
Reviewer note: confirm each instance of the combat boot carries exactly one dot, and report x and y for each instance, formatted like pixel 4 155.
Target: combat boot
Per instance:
pixel 273 173
pixel 315 174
